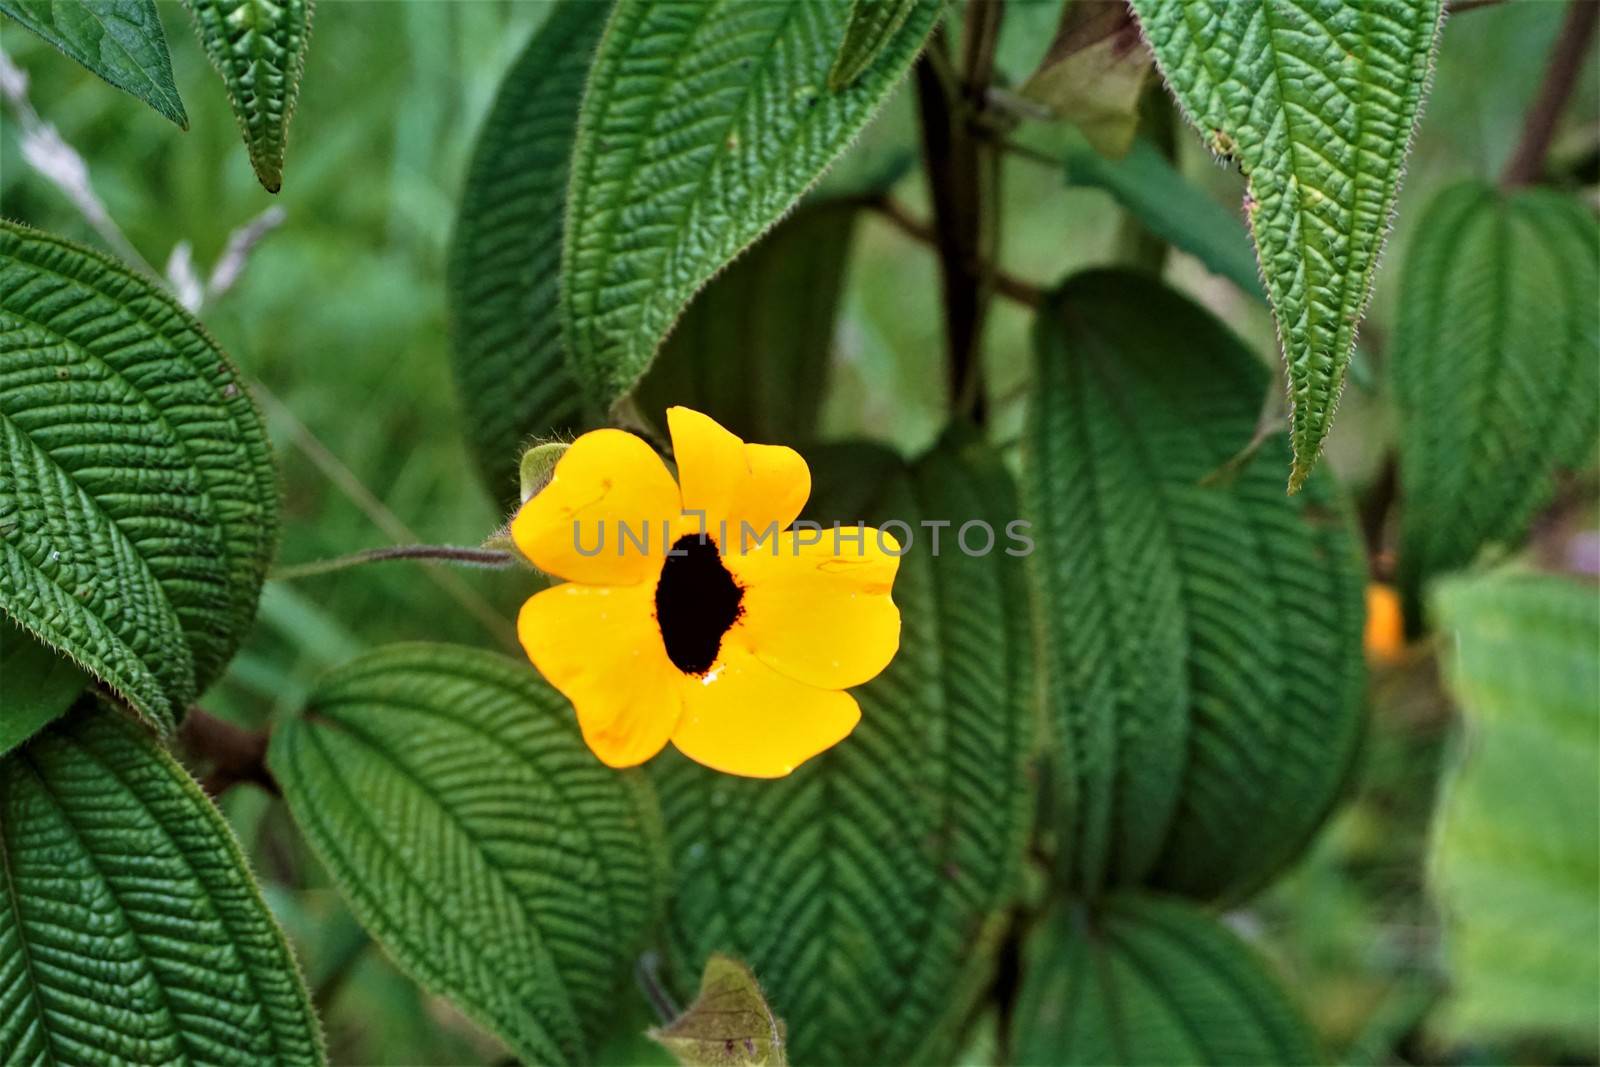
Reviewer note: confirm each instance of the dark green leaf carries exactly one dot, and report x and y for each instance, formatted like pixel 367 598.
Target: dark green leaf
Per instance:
pixel 867 889
pixel 1143 980
pixel 138 502
pixel 1317 100
pixel 1494 372
pixel 1516 845
pixel 120 40
pixel 130 928
pixel 38 685
pixel 753 349
pixel 1173 209
pixel 259 48
pixel 451 797
pixel 872 27
pixel 703 122
pixel 1203 641
pixel 505 257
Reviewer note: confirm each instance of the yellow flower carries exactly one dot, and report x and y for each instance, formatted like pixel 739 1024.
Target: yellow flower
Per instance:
pixel 738 644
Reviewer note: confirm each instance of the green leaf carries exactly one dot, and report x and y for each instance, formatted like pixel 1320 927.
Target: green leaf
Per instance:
pixel 1094 73
pixel 1317 100
pixel 119 40
pixel 703 123
pixel 1203 641
pixel 872 28
pixel 1515 858
pixel 259 48
pixel 452 799
pixel 505 257
pixel 39 686
pixel 1143 979
pixel 867 890
pixel 1170 207
pixel 138 501
pixel 537 467
pixel 130 928
pixel 753 349
pixel 1494 372
pixel 729 1023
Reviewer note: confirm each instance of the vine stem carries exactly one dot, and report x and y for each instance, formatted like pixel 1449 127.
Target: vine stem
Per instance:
pixel 471 557
pixel 354 490
pixel 1526 164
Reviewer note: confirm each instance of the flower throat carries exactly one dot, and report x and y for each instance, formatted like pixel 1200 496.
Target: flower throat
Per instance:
pixel 697 600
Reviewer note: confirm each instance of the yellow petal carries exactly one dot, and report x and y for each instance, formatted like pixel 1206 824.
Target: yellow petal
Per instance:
pixel 600 647
pixel 730 481
pixel 743 717
pixel 573 527
pixel 820 613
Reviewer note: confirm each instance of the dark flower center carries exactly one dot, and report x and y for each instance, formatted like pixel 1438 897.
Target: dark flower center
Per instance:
pixel 696 601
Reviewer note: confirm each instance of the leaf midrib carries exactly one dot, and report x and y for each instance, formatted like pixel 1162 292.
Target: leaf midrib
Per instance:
pixel 25 758
pixel 426 789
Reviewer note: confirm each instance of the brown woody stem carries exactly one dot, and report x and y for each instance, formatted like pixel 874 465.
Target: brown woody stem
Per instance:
pixel 1567 55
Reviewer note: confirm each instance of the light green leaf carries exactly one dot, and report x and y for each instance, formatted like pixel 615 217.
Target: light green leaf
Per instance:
pixel 138 501
pixel 259 48
pixel 452 799
pixel 729 1023
pixel 38 685
pixel 119 40
pixel 1515 859
pixel 867 890
pixel 1094 73
pixel 510 366
pixel 537 467
pixel 1143 979
pixel 1317 100
pixel 1494 372
pixel 130 928
pixel 753 349
pixel 1203 642
pixel 703 123
pixel 1173 209
pixel 872 28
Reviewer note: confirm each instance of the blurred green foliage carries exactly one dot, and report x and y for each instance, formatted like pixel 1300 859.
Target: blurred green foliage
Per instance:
pixel 340 315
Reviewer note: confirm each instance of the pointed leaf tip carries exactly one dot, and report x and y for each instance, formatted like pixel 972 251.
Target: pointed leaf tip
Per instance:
pixel 1317 101
pixel 729 1024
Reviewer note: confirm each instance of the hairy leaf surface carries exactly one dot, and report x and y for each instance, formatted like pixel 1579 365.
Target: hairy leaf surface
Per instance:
pixel 259 48
pixel 138 502
pixel 1317 100
pixel 452 799
pixel 1494 372
pixel 752 351
pixel 131 930
pixel 505 257
pixel 1203 641
pixel 1516 844
pixel 866 889
pixel 120 40
pixel 1144 979
pixel 703 123
pixel 872 28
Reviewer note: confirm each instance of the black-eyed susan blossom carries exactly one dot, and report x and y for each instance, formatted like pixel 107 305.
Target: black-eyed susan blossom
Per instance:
pixel 691 612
